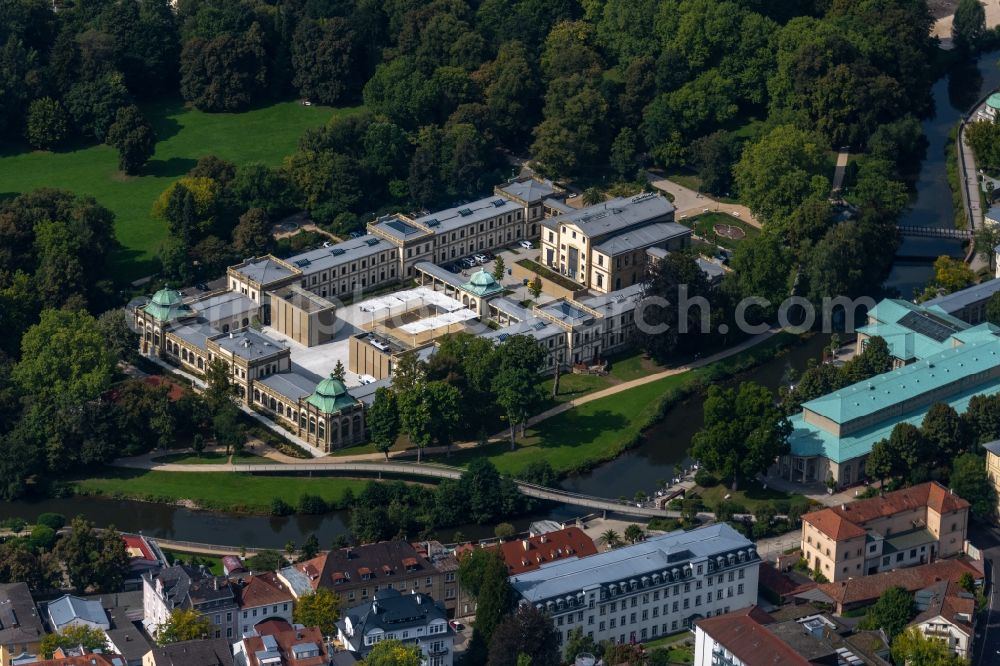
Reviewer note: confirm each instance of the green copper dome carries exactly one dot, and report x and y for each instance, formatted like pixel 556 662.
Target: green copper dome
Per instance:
pixel 482 284
pixel 167 305
pixel 993 101
pixel 331 396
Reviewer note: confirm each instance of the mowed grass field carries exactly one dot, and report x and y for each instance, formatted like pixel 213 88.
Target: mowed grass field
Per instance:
pixel 264 135
pixel 222 491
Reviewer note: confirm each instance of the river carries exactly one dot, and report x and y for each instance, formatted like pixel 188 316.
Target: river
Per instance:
pixel 662 447
pixel 954 94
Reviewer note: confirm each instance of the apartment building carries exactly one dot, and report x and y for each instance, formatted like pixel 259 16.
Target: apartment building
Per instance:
pixel 357 573
pixel 651 589
pixel 604 247
pixel 903 528
pixel 413 618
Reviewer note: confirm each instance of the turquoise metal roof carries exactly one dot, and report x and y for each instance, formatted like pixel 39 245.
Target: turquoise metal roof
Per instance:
pixel 903 343
pixel 902 385
pixel 809 440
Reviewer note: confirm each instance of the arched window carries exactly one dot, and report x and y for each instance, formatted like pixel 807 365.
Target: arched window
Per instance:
pixel 256 395
pixel 201 364
pixel 225 328
pixel 312 424
pixel 245 322
pixel 321 429
pixel 302 421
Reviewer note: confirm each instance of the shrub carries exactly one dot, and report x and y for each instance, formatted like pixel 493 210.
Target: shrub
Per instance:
pixel 43 537
pixel 504 531
pixel 705 479
pixel 311 505
pixel 280 507
pixel 54 520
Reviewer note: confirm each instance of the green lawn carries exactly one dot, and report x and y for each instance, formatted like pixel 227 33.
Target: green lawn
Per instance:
pixel 704 224
pixel 602 429
pixel 666 640
pixel 214 490
pixel 581 437
pixel 750 494
pixel 211 562
pixel 260 135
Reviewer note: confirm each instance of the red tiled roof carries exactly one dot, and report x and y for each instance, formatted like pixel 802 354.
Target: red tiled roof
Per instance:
pixel 845 521
pixel 744 634
pixel 264 589
pixel 832 524
pixel 778 582
pixel 869 588
pixel 523 555
pixel 286 640
pixel 137 548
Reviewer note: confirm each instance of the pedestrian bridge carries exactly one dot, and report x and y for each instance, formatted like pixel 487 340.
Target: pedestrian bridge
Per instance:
pixel 436 471
pixel 934 232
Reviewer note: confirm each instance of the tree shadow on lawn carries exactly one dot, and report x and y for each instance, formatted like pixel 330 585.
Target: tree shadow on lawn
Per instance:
pixel 575 429
pixel 169 168
pixel 162 117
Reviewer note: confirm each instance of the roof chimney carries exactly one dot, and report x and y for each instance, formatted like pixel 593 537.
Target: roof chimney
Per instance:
pixel 526 544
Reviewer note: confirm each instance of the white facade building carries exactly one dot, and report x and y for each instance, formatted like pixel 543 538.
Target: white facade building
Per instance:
pixel 653 588
pixel 414 619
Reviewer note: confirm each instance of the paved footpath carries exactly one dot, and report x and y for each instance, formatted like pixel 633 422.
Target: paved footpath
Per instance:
pixel 690 203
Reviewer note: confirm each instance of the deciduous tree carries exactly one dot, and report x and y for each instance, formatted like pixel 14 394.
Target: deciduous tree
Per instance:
pixel 891 613
pixel 74 636
pixel 527 632
pixel 970 481
pixel 47 124
pixel 319 609
pixel 743 434
pixel 382 420
pixel 183 625
pixel 133 138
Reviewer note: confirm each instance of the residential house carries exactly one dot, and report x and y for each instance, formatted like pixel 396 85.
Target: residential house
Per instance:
pixel 752 637
pixel 278 643
pixel 947 613
pixel 71 611
pixel 412 618
pixel 899 529
pixel 21 628
pixel 125 637
pixel 846 595
pixel 205 652
pixel 647 590
pixel 181 587
pixel 263 597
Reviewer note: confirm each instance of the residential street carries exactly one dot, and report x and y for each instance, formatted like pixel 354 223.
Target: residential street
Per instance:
pixel 988 629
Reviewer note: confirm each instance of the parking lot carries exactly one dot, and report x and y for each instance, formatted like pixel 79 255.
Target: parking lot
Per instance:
pixel 511 255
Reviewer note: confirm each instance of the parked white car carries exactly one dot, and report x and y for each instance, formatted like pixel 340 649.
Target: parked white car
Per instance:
pixel 480 258
pixel 526 244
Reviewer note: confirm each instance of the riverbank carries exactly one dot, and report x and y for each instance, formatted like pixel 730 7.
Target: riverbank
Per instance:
pixel 579 439
pixel 225 491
